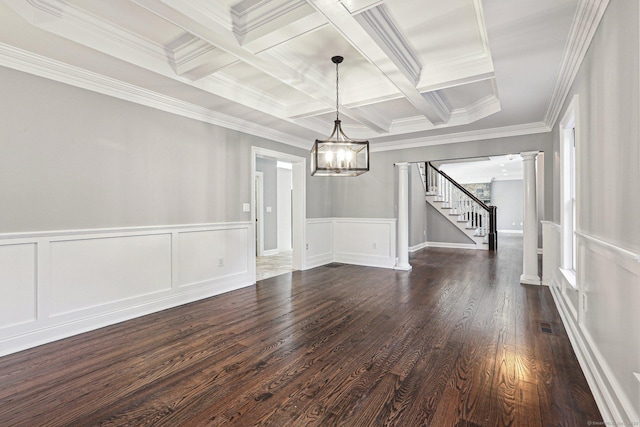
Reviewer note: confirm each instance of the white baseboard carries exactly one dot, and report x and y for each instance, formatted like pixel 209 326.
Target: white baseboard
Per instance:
pixel 417 247
pixel 450 245
pixel 270 252
pixel 587 364
pixel 319 260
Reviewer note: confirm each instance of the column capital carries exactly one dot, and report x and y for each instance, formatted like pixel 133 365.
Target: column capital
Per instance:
pixel 402 165
pixel 529 155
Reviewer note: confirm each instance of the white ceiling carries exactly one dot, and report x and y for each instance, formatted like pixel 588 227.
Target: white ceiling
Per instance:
pixel 415 71
pixel 486 169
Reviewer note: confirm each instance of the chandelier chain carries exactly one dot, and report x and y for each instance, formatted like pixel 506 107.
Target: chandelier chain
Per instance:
pixel 337 92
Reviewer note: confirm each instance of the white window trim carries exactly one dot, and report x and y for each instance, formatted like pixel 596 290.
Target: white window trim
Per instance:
pixel 569 132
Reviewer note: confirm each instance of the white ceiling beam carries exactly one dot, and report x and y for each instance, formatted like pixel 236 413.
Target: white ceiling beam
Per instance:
pixel 196 21
pixel 375 36
pixel 194 58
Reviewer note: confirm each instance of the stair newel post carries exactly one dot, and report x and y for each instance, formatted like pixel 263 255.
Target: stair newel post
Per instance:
pixel 493 232
pixel 427 177
pixel 432 181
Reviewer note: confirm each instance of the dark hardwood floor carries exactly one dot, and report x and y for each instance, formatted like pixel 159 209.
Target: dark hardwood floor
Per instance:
pixel 455 342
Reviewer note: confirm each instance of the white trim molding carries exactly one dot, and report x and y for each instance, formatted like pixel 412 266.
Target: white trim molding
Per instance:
pixel 451 245
pixel 596 335
pixel 62 283
pixel 360 241
pixel 37 65
pixel 583 28
pixel 397 142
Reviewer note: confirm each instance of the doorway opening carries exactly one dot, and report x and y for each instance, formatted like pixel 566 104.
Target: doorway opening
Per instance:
pixel 278 192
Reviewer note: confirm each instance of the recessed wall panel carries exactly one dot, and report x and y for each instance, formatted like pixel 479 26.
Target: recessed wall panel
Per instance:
pixel 97 271
pixel 207 255
pixel 17 284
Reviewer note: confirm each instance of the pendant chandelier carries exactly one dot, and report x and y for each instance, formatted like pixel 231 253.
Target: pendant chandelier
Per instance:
pixel 339 155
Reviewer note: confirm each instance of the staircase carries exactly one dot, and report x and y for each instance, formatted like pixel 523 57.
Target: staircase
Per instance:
pixel 462 208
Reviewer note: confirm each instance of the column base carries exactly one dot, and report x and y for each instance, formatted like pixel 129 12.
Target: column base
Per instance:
pixel 405 267
pixel 529 280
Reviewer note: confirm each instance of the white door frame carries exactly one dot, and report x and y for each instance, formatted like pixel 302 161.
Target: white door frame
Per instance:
pixel 299 198
pixel 259 208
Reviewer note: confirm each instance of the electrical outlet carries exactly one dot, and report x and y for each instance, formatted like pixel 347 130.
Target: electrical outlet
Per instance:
pixel 375 246
pixel 221 262
pixel 307 246
pixel 584 302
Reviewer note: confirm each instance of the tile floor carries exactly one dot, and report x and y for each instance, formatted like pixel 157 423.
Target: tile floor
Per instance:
pixel 274 265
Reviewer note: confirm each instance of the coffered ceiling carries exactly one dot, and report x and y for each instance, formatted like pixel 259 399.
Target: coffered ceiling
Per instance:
pixel 415 71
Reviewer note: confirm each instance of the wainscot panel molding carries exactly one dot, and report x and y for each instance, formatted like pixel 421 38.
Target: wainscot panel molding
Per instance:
pixel 360 241
pixel 319 244
pixel 62 283
pixel 596 326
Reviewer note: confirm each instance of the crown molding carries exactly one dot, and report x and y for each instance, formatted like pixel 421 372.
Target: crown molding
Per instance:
pixel 69 21
pixel 585 23
pixel 31 63
pixel 479 135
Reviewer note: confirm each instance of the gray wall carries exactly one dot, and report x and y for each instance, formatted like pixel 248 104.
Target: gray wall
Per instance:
pixel 608 147
pixel 508 197
pixel 373 194
pixel 75 159
pixel 441 230
pixel 270 200
pixel 417 208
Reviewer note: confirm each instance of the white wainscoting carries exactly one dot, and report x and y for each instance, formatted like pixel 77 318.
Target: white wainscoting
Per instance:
pixel 359 241
pixel 601 317
pixel 319 242
pixel 58 284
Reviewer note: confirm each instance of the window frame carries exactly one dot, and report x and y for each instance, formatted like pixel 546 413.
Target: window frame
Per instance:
pixel 569 143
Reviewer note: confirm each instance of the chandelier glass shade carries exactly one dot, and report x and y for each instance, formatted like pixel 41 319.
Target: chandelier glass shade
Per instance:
pixel 339 155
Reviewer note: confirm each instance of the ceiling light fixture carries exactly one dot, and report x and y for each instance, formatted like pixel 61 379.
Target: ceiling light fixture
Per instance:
pixel 339 155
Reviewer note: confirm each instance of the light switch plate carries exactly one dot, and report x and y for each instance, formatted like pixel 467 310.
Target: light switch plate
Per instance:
pixel 246 207
pixel 268 208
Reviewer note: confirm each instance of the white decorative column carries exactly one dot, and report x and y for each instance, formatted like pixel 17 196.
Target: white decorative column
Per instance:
pixel 530 237
pixel 403 218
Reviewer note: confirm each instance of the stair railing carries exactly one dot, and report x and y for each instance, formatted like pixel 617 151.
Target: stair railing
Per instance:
pixel 464 204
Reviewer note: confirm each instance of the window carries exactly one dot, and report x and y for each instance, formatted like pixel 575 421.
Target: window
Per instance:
pixel 568 143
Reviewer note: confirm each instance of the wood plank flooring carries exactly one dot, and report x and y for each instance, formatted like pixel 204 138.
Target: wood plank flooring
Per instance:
pixel 455 342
